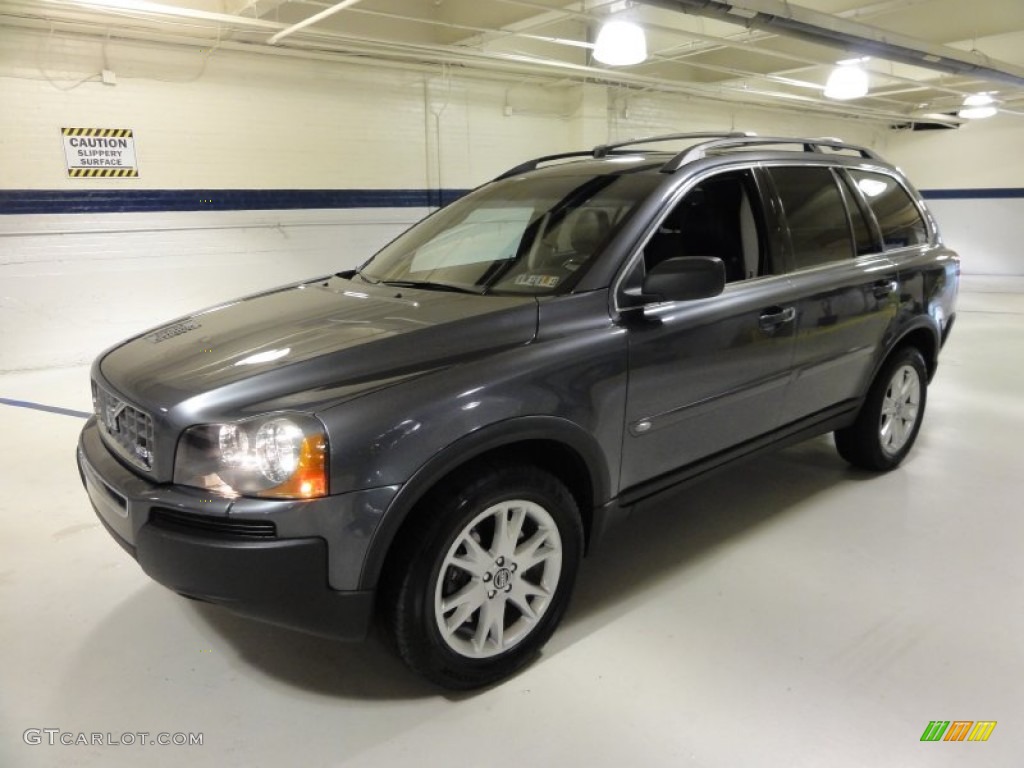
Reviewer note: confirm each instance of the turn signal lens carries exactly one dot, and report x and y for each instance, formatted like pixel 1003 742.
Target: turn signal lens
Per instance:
pixel 309 479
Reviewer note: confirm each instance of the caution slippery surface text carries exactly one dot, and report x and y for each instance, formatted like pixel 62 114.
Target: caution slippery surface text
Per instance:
pixel 100 152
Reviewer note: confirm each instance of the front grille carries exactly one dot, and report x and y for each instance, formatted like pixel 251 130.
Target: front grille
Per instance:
pixel 223 526
pixel 126 428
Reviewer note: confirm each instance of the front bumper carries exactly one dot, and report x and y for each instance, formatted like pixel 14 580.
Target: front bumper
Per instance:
pixel 297 564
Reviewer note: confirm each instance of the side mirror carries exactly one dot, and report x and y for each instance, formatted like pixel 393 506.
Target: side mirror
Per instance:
pixel 684 278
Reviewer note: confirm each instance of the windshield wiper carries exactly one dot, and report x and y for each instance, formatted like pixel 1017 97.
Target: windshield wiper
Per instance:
pixel 429 286
pixel 361 276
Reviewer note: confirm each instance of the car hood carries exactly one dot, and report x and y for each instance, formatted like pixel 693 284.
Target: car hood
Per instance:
pixel 308 345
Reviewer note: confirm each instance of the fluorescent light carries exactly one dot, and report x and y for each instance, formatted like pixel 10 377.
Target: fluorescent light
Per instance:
pixel 847 82
pixel 620 43
pixel 977 106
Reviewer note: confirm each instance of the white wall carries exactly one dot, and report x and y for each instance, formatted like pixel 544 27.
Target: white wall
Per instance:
pixel 984 232
pixel 980 155
pixel 73 283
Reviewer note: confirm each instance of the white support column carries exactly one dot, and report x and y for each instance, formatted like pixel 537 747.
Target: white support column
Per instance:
pixel 589 126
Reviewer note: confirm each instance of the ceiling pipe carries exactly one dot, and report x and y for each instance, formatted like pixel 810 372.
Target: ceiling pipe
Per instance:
pixel 311 20
pixel 145 10
pixel 525 65
pixel 796 21
pixel 162 12
pixel 503 64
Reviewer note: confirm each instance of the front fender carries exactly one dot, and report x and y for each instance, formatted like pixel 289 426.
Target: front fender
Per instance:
pixel 566 388
pixel 564 433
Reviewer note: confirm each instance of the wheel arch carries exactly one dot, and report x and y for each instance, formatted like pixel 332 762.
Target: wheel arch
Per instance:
pixel 925 337
pixel 556 445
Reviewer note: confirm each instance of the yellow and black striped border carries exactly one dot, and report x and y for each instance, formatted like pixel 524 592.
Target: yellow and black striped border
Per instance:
pixel 106 133
pixel 103 173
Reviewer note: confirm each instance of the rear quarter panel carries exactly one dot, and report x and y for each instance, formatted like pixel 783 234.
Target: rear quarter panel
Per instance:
pixel 929 285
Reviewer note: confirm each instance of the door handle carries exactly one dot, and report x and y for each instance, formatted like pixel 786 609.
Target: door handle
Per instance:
pixel 773 317
pixel 883 288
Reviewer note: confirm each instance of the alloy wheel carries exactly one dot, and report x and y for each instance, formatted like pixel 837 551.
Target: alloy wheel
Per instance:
pixel 498 579
pixel 900 408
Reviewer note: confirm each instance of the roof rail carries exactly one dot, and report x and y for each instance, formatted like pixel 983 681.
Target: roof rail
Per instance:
pixel 531 165
pixel 606 149
pixel 702 150
pixel 603 150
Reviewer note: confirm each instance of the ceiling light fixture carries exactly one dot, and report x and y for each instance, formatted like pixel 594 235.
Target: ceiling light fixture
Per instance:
pixel 620 43
pixel 977 106
pixel 847 81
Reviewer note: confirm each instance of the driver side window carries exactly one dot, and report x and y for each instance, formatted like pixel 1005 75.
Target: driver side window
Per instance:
pixel 720 217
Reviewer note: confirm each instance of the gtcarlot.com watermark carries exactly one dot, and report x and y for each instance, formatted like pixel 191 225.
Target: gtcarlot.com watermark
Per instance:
pixel 57 737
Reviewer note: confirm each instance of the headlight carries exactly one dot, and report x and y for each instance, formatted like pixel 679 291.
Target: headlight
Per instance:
pixel 282 456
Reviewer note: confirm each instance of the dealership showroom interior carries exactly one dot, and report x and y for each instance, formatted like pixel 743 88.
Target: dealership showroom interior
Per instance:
pixel 511 382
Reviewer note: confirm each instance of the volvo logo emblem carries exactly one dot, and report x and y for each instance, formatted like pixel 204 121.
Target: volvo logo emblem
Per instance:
pixel 502 578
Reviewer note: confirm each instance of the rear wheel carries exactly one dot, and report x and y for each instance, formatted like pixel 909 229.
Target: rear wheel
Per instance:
pixel 479 585
pixel 889 420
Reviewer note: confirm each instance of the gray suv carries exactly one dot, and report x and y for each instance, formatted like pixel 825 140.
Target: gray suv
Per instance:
pixel 437 437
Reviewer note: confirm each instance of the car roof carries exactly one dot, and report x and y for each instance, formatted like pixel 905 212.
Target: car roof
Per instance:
pixel 630 156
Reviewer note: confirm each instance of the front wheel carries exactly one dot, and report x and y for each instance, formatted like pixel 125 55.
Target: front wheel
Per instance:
pixel 889 420
pixel 482 580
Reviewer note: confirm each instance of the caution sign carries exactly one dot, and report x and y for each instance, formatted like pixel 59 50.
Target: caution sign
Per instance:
pixel 100 152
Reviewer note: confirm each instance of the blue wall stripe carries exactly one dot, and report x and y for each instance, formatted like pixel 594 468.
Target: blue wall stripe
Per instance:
pixel 972 194
pixel 24 201
pixel 47 408
pixel 34 201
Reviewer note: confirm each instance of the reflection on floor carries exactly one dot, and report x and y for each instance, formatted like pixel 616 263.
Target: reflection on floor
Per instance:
pixel 792 612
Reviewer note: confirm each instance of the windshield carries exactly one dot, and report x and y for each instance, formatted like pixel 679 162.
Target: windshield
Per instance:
pixel 517 236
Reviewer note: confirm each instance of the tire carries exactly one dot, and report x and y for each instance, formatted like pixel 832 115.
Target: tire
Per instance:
pixel 890 418
pixel 468 606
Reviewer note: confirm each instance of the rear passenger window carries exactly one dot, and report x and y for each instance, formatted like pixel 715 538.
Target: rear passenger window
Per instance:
pixel 819 229
pixel 864 237
pixel 898 217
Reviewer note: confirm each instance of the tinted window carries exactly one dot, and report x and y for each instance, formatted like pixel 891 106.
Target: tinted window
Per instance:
pixel 818 226
pixel 720 217
pixel 898 217
pixel 864 237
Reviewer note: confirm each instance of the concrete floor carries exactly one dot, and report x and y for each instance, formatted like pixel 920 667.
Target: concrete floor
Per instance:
pixel 793 613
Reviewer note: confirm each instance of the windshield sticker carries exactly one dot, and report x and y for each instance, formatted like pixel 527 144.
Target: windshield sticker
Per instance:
pixel 543 281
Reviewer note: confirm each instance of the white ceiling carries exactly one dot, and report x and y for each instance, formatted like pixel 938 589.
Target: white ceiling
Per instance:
pixel 550 40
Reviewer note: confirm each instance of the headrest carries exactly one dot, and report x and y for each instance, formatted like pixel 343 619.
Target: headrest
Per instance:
pixel 590 230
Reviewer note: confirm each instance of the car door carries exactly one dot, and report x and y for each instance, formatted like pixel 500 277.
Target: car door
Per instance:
pixel 847 290
pixel 708 374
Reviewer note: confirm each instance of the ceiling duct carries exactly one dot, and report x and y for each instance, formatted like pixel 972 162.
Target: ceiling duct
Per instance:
pixel 784 18
pixel 948 122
